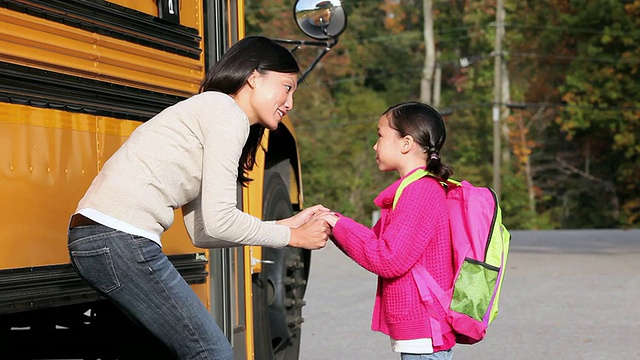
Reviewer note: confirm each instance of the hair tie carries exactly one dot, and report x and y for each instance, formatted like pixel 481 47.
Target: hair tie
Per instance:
pixel 434 154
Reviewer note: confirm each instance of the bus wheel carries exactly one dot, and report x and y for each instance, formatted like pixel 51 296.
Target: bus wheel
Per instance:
pixel 278 289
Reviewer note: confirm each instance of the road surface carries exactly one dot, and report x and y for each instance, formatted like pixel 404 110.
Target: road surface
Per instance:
pixel 568 295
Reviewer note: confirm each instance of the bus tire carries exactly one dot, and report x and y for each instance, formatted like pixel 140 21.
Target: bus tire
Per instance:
pixel 279 288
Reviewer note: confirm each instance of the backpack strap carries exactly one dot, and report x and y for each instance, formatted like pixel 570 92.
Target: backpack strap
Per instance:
pixel 426 285
pixel 418 174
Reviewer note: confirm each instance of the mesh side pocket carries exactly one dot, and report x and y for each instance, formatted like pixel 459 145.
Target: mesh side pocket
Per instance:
pixel 474 288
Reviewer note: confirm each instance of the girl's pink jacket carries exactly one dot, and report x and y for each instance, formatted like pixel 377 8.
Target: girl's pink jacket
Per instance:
pixel 416 231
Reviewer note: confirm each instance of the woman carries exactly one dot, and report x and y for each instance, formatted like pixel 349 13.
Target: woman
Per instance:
pixel 190 156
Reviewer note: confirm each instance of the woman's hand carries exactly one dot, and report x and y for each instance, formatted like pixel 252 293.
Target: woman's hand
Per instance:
pixel 311 235
pixel 303 216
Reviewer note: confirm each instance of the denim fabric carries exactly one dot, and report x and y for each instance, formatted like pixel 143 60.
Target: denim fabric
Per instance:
pixel 134 274
pixel 440 355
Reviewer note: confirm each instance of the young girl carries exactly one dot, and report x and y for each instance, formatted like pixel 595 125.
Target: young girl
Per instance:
pixel 416 231
pixel 191 156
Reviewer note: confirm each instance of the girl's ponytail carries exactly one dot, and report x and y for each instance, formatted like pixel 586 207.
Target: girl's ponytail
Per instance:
pixel 435 165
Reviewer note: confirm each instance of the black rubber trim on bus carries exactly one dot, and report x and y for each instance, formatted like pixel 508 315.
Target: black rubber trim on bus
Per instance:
pixel 105 18
pixel 25 289
pixel 46 89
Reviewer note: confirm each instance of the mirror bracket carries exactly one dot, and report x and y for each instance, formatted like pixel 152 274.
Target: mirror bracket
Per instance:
pixel 323 21
pixel 325 45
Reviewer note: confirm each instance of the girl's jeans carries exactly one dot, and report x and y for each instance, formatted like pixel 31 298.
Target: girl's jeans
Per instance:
pixel 440 355
pixel 134 274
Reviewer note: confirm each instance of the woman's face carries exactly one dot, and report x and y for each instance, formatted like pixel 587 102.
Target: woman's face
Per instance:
pixel 272 97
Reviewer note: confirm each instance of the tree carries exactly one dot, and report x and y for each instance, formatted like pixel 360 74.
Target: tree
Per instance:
pixel 577 65
pixel 572 131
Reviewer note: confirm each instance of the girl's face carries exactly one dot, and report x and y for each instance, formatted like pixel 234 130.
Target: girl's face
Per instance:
pixel 272 97
pixel 388 147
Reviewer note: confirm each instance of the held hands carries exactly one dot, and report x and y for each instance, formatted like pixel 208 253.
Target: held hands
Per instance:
pixel 308 229
pixel 303 216
pixel 330 217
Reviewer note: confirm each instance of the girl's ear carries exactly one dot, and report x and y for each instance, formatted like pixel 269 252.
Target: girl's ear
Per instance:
pixel 407 144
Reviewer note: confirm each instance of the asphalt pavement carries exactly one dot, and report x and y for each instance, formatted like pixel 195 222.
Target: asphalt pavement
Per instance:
pixel 567 294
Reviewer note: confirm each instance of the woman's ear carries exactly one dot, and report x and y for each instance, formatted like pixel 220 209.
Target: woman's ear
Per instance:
pixel 252 79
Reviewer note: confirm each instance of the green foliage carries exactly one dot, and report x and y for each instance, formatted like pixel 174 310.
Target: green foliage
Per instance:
pixel 574 146
pixel 515 207
pixel 579 209
pixel 339 161
pixel 601 114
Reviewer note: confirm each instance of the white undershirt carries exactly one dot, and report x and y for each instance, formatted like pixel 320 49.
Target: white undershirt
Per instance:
pixel 414 346
pixel 116 224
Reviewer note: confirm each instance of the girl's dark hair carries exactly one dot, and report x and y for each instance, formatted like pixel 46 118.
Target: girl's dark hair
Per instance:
pixel 231 73
pixel 426 126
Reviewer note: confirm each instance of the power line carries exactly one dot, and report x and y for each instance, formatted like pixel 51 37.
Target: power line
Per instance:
pixel 574 58
pixel 562 28
pixel 449 111
pixel 468 60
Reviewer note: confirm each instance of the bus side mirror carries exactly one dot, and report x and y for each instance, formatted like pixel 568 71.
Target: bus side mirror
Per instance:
pixel 320 20
pixel 323 21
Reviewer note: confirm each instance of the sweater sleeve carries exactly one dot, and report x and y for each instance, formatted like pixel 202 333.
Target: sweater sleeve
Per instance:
pixel 219 222
pixel 404 238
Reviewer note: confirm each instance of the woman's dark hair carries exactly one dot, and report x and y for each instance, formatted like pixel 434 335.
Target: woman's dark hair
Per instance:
pixel 426 126
pixel 231 73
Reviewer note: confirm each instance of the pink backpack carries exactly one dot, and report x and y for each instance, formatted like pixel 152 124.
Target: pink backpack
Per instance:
pixel 480 246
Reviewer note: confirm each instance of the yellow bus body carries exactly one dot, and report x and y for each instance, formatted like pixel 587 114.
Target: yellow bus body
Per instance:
pixel 50 151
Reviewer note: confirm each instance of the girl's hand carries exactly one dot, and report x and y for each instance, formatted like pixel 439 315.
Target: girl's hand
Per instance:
pixel 303 216
pixel 330 217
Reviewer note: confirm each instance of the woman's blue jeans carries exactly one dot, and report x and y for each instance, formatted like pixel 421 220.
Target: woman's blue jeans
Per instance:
pixel 134 274
pixel 440 355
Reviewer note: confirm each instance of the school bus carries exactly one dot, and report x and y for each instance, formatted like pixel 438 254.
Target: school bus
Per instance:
pixel 76 78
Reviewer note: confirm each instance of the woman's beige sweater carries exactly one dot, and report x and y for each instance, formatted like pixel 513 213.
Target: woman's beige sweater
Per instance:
pixel 184 157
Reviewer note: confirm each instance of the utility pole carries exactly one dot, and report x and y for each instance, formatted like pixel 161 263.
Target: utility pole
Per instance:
pixel 426 82
pixel 497 95
pixel 437 79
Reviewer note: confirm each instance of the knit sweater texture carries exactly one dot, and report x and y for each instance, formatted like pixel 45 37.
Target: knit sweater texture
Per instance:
pixel 416 231
pixel 184 157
